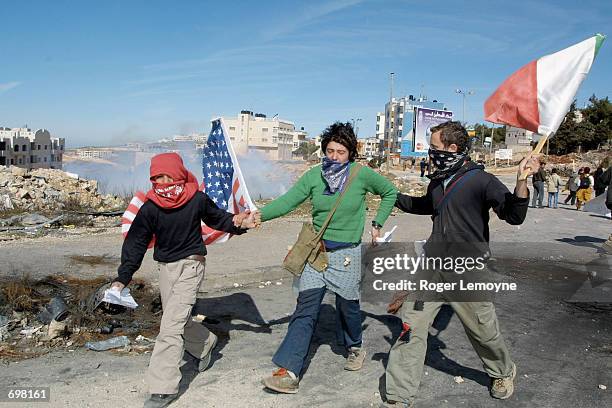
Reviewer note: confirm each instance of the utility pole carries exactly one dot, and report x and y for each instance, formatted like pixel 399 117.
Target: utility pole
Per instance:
pixel 391 130
pixel 464 93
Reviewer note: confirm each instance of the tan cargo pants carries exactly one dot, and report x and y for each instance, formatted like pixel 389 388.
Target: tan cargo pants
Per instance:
pixel 178 285
pixel 406 358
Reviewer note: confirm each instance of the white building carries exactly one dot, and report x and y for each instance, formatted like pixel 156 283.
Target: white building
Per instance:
pixel 94 153
pixel 516 136
pixel 368 147
pixel 275 138
pixel 22 147
pixel 380 125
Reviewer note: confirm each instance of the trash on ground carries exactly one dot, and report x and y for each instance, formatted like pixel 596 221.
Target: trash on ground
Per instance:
pixel 115 342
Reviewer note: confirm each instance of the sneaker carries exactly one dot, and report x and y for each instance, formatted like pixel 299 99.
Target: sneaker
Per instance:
pixel 502 388
pixel 159 400
pixel 211 342
pixel 281 381
pixel 355 358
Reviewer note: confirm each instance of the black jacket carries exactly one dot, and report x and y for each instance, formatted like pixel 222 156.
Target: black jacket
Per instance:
pixel 606 179
pixel 464 217
pixel 539 176
pixel 178 232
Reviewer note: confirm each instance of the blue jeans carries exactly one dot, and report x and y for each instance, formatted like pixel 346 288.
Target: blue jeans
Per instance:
pixel 293 350
pixel 538 194
pixel 553 200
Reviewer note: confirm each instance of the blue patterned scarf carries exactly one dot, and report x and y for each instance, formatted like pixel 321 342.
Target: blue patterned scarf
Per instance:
pixel 335 175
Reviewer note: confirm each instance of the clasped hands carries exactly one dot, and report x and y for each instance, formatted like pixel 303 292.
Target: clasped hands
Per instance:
pixel 247 219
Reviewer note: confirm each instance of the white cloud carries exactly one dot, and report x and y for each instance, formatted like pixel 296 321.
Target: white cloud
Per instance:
pixel 8 85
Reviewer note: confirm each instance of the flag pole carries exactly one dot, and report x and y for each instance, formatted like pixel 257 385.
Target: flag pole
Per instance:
pixel 537 150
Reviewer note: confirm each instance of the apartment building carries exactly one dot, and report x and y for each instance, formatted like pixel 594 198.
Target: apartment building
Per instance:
pixel 275 138
pixel 25 148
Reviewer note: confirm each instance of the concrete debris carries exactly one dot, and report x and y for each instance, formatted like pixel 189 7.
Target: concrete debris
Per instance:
pixel 51 189
pixel 56 329
pixel 459 380
pixel 30 331
pixel 115 342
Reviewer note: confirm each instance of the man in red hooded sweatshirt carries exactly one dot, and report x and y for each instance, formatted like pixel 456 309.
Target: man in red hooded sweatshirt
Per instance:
pixel 172 214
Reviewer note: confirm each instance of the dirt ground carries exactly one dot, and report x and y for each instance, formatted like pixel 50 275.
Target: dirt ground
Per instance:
pixel 563 352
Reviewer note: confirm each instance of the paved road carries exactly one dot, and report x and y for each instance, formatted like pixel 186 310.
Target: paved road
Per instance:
pixel 562 352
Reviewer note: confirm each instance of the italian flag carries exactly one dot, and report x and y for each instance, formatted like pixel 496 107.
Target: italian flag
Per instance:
pixel 537 96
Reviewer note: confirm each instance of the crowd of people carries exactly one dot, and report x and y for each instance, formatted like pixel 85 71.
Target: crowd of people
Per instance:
pixel 581 186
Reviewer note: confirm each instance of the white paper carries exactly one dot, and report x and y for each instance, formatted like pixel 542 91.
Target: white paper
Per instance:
pixel 388 235
pixel 124 298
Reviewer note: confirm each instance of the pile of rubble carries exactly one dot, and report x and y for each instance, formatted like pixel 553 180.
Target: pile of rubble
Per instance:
pixel 51 190
pixel 569 163
pixel 62 312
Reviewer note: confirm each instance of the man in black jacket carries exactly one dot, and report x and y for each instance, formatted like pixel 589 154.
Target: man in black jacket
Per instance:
pixel 458 199
pixel 607 180
pixel 538 188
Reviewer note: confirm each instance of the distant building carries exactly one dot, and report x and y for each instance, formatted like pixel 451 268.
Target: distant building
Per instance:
pixel 516 136
pixel 397 122
pixel 94 153
pixel 380 126
pixel 275 138
pixel 368 147
pixel 24 148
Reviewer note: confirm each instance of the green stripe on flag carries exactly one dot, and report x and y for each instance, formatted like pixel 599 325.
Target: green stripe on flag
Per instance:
pixel 599 39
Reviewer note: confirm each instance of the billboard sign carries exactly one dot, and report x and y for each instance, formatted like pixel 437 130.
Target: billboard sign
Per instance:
pixel 425 120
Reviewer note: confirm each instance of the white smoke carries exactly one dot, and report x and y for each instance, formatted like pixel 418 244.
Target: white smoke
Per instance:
pixel 128 171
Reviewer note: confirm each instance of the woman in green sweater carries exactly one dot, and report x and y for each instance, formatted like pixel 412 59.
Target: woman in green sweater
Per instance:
pixel 322 185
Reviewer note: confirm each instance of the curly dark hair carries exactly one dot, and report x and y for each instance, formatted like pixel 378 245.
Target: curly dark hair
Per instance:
pixel 340 133
pixel 453 132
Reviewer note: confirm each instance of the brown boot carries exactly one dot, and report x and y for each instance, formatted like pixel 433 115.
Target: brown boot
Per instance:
pixel 281 381
pixel 355 358
pixel 502 388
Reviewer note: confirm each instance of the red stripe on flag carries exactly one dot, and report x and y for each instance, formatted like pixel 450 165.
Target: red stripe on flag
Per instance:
pixel 515 102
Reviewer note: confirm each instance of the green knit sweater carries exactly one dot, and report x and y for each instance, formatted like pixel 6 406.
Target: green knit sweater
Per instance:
pixel 348 220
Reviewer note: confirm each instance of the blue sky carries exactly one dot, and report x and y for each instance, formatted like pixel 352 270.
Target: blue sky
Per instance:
pixel 108 72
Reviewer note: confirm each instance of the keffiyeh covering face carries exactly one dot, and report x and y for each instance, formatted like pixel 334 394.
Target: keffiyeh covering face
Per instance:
pixel 445 163
pixel 335 175
pixel 177 193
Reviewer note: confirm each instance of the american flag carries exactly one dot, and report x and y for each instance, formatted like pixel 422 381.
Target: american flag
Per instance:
pixel 223 181
pixel 221 171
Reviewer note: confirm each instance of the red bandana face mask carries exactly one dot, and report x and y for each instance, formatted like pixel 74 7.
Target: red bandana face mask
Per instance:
pixel 174 194
pixel 169 191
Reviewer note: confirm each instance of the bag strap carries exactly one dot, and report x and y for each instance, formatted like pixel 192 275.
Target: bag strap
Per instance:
pixel 353 175
pixel 449 190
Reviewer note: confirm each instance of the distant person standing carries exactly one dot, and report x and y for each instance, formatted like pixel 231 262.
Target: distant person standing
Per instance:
pixel 424 165
pixel 413 163
pixel 572 187
pixel 585 188
pixel 538 187
pixel 553 183
pixel 607 178
pixel 600 184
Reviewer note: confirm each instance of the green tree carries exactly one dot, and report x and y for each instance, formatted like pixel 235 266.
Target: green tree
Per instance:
pixel 305 150
pixel 593 130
